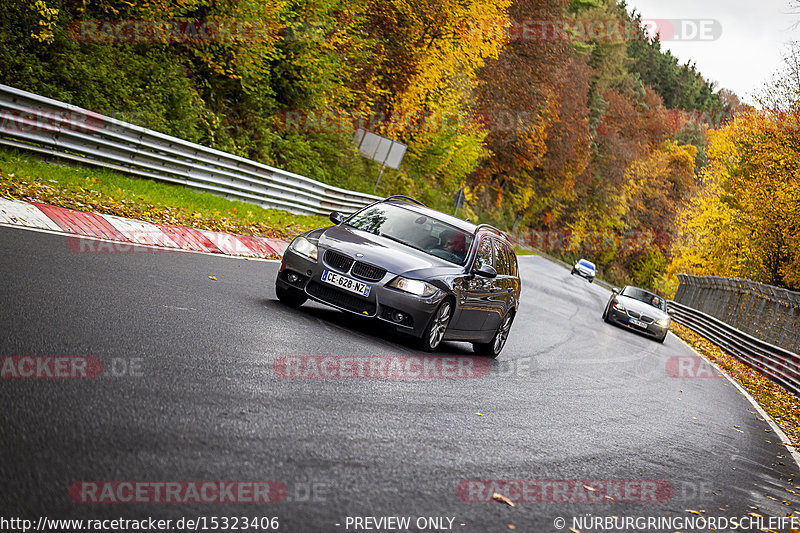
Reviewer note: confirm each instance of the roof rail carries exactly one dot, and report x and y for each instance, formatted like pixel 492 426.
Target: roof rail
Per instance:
pixel 490 228
pixel 403 197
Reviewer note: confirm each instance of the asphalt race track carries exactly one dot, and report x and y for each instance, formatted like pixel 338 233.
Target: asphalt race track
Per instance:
pixel 189 393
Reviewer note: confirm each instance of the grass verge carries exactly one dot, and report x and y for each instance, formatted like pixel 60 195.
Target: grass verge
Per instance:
pixel 780 404
pixel 25 177
pixel 523 251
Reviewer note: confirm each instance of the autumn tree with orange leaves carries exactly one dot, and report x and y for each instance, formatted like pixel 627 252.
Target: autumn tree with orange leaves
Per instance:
pixel 746 221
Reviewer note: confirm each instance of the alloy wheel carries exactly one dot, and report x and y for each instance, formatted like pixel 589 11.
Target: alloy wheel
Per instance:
pixel 439 325
pixel 502 334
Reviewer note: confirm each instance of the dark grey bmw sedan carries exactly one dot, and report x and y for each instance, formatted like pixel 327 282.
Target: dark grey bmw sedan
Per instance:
pixel 426 273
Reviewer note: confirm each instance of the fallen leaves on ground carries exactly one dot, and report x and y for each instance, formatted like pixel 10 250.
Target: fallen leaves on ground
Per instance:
pixel 496 496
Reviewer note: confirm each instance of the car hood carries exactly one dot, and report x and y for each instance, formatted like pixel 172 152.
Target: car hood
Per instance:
pixel 380 251
pixel 641 307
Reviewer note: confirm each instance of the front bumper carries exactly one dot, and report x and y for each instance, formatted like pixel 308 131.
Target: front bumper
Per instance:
pixel 408 313
pixel 621 317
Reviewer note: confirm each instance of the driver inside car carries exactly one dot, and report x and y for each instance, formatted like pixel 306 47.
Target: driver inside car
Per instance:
pixel 453 243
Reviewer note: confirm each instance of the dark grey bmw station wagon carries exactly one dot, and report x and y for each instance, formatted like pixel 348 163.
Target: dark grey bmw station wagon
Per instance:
pixel 429 274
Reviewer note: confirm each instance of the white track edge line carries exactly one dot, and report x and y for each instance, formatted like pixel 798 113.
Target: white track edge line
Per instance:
pixel 774 425
pixel 181 250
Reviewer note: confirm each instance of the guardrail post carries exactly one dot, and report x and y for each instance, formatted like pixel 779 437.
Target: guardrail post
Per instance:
pixel 750 324
pixel 796 329
pixel 777 315
pixel 766 315
pixel 681 288
pixel 747 316
pixel 729 297
pixel 736 290
pixel 697 297
pixel 719 289
pixel 785 324
pixel 689 292
pixel 710 296
pixel 724 300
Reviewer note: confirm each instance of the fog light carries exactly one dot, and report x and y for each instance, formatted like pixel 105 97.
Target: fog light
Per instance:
pixel 398 317
pixel 292 277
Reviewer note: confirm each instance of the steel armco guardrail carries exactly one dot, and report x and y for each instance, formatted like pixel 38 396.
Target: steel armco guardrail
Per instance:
pixel 781 366
pixel 35 123
pixel 769 313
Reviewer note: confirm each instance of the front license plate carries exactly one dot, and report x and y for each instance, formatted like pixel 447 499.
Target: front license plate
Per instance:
pixel 636 322
pixel 348 284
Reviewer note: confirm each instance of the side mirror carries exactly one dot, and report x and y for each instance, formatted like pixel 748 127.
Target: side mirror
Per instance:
pixel 486 271
pixel 336 217
pixel 615 290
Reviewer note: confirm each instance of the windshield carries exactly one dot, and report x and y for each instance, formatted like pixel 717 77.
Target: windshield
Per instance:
pixel 646 297
pixel 420 232
pixel 587 264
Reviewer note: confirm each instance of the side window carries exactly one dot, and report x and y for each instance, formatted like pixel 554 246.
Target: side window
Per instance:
pixel 501 258
pixel 512 261
pixel 484 255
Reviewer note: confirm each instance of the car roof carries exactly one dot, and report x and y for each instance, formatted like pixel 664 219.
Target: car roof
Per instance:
pixel 444 217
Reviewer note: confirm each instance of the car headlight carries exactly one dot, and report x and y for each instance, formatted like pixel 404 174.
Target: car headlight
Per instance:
pixel 664 322
pixel 413 286
pixel 618 306
pixel 304 247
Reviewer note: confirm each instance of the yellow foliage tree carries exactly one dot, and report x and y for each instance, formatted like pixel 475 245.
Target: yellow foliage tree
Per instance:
pixel 655 185
pixel 746 221
pixel 438 54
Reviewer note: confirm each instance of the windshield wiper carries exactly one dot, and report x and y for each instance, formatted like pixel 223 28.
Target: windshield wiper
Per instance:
pixel 395 239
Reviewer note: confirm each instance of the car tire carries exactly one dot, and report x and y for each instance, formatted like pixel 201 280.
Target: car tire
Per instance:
pixel 434 333
pixel 591 280
pixel 493 348
pixel 605 316
pixel 290 297
pixel 572 273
